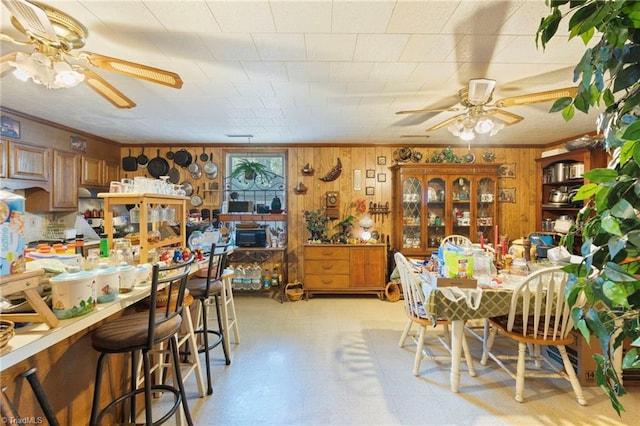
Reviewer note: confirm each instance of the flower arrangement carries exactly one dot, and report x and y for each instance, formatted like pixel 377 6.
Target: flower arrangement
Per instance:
pixel 359 206
pixel 445 155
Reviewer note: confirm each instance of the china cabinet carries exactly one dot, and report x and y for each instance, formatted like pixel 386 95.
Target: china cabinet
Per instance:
pixel 558 177
pixel 431 201
pixel 157 233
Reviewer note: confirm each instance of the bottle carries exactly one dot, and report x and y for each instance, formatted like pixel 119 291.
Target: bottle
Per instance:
pixel 80 244
pixel 275 278
pixel 104 245
pixel 276 204
pixel 266 279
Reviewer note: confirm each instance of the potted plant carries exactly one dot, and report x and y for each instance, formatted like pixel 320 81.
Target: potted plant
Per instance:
pixel 250 170
pixel 605 290
pixel 316 224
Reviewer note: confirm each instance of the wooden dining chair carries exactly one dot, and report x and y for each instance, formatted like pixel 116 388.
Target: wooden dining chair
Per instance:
pixel 415 309
pixel 538 316
pixel 459 240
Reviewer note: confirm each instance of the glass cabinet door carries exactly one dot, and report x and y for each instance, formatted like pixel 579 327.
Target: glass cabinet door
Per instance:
pixel 436 201
pixel 486 200
pixel 461 207
pixel 411 213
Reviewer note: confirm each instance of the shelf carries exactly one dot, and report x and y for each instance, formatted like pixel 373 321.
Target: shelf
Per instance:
pixel 267 217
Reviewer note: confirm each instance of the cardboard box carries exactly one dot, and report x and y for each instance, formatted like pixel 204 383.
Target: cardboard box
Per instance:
pixel 581 356
pixel 12 240
pixel 457 282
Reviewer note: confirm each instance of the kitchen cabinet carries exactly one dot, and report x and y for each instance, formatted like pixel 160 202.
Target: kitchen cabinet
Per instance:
pixel 560 174
pixel 333 268
pixel 24 165
pixel 97 172
pixel 62 195
pixel 168 235
pixel 433 200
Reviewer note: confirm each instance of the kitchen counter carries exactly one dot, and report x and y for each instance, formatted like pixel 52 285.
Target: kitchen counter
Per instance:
pixel 36 337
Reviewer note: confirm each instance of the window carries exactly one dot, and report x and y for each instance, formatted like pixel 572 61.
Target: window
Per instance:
pixel 259 190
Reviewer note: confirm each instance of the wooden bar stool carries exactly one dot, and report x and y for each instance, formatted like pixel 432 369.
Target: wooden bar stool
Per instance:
pixel 202 289
pixel 139 333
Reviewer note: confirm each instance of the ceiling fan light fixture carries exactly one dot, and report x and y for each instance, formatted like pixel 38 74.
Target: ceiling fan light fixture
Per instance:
pixel 484 125
pixel 467 134
pixel 45 70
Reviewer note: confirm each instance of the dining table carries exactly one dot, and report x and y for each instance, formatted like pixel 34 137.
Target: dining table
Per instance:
pixel 460 305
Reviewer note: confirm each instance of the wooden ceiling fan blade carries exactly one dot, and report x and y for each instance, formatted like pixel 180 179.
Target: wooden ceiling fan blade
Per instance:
pixel 507 117
pixel 5 66
pixel 428 110
pixel 133 69
pixel 33 19
pixel 106 90
pixel 445 123
pixel 538 97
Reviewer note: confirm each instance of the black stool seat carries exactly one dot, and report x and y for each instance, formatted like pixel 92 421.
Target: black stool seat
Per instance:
pixel 139 333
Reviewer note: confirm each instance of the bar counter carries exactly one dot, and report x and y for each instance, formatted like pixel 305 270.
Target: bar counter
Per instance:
pixel 36 337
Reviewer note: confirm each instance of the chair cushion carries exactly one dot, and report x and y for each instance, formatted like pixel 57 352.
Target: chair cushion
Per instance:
pixel 198 287
pixel 130 332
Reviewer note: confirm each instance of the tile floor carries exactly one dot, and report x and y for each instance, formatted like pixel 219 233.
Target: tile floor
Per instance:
pixel 336 361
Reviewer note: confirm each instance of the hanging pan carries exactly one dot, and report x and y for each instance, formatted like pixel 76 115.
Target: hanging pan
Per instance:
pixel 183 158
pixel 196 199
pixel 129 164
pixel 203 157
pixel 158 166
pixel 142 159
pixel 174 174
pixel 170 154
pixel 210 168
pixel 188 188
pixel 194 169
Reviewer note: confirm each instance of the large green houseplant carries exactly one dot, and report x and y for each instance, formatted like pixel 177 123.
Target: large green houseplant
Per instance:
pixel 250 170
pixel 605 289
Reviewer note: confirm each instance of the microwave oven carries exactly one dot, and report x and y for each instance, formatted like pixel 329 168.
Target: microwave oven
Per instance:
pixel 251 237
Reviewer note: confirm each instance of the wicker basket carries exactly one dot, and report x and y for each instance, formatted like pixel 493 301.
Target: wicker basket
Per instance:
pixel 6 332
pixel 294 291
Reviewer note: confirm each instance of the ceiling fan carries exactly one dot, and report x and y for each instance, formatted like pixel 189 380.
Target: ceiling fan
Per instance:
pixel 54 35
pixel 475 101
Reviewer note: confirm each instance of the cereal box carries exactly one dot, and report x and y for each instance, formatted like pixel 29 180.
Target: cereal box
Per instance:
pixel 12 241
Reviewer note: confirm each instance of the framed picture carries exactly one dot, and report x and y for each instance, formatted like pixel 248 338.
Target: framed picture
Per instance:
pixel 369 190
pixel 507 170
pixel 10 127
pixel 382 177
pixel 507 195
pixel 371 173
pixel 382 160
pixel 78 144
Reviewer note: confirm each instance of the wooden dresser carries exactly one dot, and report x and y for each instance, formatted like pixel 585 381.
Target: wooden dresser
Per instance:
pixel 334 268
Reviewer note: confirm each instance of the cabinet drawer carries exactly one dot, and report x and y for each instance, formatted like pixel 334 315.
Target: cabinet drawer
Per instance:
pixel 326 281
pixel 327 253
pixel 324 267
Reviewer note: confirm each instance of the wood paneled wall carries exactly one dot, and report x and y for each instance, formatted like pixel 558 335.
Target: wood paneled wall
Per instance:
pixel 516 219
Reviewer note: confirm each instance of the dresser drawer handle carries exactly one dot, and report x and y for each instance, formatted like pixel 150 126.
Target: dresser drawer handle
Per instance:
pixel 327 266
pixel 327 253
pixel 327 281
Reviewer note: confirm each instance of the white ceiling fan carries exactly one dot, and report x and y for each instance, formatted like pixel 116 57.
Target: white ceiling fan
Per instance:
pixel 478 111
pixel 54 36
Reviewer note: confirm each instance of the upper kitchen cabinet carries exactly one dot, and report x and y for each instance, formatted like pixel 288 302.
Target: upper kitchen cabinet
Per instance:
pixel 24 165
pixel 98 173
pixel 436 200
pixel 63 194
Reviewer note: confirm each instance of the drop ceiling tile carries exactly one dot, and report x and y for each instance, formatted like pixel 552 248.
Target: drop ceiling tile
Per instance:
pixel 280 47
pixel 361 17
pixel 175 17
pixel 380 47
pixel 243 16
pixel 302 16
pixel 330 47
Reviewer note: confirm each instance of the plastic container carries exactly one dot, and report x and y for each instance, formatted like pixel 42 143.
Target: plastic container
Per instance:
pixel 73 293
pixel 127 277
pixel 107 283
